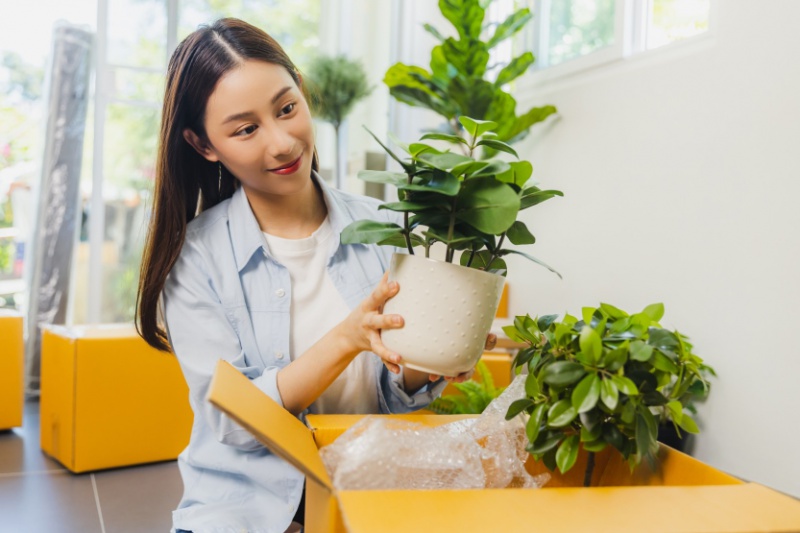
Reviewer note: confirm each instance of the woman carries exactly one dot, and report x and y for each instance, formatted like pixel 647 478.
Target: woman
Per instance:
pixel 243 257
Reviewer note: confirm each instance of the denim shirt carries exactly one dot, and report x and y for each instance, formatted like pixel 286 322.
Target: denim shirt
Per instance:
pixel 227 298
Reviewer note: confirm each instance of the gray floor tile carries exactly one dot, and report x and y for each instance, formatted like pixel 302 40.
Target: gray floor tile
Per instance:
pixel 141 498
pixel 33 503
pixel 19 447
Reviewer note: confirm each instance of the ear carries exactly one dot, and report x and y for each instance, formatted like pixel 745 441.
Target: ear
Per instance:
pixel 199 145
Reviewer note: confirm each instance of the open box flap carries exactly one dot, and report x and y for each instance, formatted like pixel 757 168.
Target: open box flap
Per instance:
pixel 702 509
pixel 276 428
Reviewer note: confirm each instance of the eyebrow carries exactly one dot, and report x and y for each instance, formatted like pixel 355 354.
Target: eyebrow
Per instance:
pixel 245 114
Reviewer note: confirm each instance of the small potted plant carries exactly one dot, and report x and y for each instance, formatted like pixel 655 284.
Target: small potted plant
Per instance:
pixel 604 380
pixel 469 205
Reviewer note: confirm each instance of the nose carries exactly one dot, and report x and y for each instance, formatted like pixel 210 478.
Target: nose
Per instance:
pixel 279 144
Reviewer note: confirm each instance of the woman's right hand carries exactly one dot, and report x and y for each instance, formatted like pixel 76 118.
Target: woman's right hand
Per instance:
pixel 361 330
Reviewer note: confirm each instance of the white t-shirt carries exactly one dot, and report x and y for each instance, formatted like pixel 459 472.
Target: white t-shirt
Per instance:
pixel 316 307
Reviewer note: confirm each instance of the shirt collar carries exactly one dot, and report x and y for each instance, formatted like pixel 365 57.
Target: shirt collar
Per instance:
pixel 246 233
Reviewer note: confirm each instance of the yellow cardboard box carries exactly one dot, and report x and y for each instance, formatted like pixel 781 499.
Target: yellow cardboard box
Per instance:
pixel 11 369
pixel 108 399
pixel 684 496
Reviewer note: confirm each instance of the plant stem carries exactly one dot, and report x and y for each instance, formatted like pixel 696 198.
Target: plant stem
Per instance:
pixel 471 257
pixel 406 229
pixel 496 252
pixel 450 230
pixel 587 478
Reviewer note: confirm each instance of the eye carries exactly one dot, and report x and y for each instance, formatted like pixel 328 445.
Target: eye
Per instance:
pixel 246 130
pixel 288 108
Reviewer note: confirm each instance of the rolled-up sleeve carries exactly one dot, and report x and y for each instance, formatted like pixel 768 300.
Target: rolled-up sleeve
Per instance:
pixel 395 400
pixel 200 335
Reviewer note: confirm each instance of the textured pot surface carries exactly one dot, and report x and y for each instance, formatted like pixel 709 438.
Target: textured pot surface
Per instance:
pixel 448 311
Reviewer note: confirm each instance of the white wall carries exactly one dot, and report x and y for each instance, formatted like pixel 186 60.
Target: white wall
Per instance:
pixel 681 173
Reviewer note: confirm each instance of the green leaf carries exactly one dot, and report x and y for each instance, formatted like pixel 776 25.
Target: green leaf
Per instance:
pixel 487 205
pixel 613 436
pixel 592 421
pixel 563 373
pixel 612 311
pixel 433 31
pixel 595 446
pixel 535 422
pixel 588 436
pixel 516 68
pixel 628 412
pixel 369 232
pixel 404 206
pixel 475 127
pixel 455 139
pixel 515 22
pixel 537 261
pixel 442 161
pixel 518 234
pixel 616 358
pixel 438 182
pixel 609 394
pixel 586 393
pixel 517 407
pixel 586 314
pixel 496 167
pixel 545 321
pixel 399 241
pixel 640 351
pixel 500 146
pixel 383 176
pixel 532 386
pixel 591 344
pixel 467 16
pixel 625 385
pixel 469 167
pixel 663 363
pixel 654 311
pixel 546 441
pixel 675 410
pixel 518 173
pixel 663 338
pixel 533 195
pixel 561 414
pixel 644 440
pixel 480 260
pixel 526 120
pixel 567 454
pixel 688 424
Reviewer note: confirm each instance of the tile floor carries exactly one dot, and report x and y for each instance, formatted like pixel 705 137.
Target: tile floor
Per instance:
pixel 37 495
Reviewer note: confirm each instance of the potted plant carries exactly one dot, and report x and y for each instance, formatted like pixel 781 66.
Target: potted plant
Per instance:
pixel 461 82
pixel 470 206
pixel 603 380
pixel 337 84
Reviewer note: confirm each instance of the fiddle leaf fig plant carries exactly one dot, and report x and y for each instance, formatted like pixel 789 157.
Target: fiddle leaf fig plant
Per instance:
pixel 601 380
pixel 470 205
pixel 461 80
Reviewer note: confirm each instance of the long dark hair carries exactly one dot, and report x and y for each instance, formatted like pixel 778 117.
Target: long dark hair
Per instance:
pixel 186 183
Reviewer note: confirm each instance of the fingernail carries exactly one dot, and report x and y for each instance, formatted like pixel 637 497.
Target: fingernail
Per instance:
pixel 397 320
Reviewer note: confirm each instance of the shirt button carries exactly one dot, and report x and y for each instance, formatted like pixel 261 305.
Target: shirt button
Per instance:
pixel 279 355
pixel 280 293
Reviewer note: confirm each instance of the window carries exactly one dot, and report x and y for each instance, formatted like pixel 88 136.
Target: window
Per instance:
pixel 571 35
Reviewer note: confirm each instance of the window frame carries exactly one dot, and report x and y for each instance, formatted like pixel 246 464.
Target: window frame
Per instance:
pixel 631 21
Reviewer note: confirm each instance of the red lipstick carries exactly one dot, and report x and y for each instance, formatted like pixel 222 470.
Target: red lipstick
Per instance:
pixel 291 168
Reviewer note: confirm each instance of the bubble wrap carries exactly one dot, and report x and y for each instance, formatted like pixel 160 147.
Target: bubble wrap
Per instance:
pixel 483 452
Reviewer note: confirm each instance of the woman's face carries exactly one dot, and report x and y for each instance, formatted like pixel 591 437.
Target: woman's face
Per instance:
pixel 259 126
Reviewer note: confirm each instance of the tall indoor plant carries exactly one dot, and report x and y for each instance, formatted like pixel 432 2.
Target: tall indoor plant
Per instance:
pixel 603 380
pixel 459 81
pixel 469 205
pixel 337 84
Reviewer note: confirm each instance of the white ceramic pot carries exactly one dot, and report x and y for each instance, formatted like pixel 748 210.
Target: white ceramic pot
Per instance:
pixel 448 311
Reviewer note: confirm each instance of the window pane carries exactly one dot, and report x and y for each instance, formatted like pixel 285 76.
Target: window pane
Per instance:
pixel 137 33
pixel 673 20
pixel 293 23
pixel 142 86
pixel 129 158
pixel 579 27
